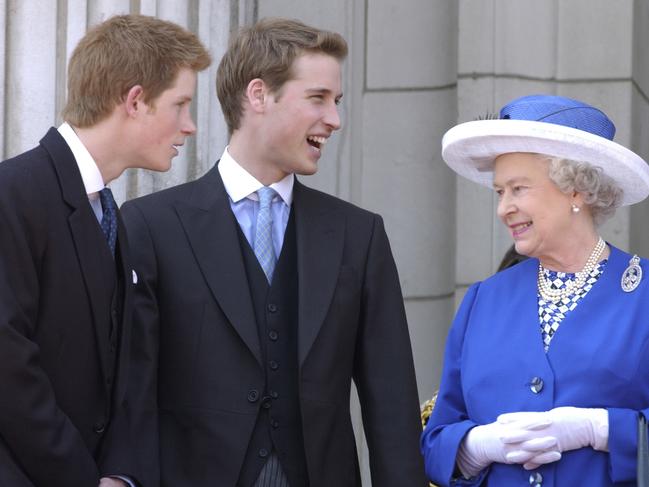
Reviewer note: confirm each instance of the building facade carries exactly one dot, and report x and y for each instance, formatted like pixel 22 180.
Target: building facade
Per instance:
pixel 416 68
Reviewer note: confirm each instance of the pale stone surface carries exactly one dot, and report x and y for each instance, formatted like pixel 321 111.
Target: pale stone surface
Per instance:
pixel 524 44
pixel 476 36
pixel 429 321
pixel 359 434
pixel 76 24
pixel 30 73
pixel 405 180
pixel 411 44
pixel 508 37
pixel 148 7
pixel 100 10
pixel 640 43
pixel 444 233
pixel 594 39
pixel 475 229
pixel 212 136
pixel 177 11
pixel 3 56
pixel 638 227
pixel 332 15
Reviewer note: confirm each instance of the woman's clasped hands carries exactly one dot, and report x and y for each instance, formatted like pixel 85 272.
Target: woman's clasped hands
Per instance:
pixel 532 438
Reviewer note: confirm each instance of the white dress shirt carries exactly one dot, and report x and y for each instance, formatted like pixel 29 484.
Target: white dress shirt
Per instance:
pixel 92 179
pixel 241 187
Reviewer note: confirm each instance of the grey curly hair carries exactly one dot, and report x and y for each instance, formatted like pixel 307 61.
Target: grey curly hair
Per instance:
pixel 600 192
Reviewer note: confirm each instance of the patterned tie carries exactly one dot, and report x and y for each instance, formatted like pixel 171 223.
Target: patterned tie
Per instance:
pixel 263 245
pixel 109 218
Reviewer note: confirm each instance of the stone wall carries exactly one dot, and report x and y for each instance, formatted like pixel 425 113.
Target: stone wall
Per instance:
pixel 416 67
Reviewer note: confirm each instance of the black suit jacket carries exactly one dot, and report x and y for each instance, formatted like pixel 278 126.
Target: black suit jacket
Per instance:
pixel 202 348
pixel 61 422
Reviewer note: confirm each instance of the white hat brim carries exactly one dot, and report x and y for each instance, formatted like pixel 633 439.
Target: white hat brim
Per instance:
pixel 471 148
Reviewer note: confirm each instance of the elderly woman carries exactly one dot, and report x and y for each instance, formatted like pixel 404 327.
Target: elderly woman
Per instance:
pixel 547 363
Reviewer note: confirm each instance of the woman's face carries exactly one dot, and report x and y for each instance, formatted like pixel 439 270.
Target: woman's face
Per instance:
pixel 538 215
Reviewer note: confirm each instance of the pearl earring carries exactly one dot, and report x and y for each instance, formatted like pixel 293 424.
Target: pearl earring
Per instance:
pixel 575 208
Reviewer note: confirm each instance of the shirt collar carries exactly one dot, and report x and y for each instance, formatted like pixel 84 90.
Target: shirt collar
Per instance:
pixel 92 180
pixel 240 184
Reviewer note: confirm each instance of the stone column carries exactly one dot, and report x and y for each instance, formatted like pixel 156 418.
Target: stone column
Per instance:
pixel 3 61
pixel 409 102
pixel 30 76
pixel 639 230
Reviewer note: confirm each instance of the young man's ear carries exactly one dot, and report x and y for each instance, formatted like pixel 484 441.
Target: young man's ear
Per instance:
pixel 134 101
pixel 257 94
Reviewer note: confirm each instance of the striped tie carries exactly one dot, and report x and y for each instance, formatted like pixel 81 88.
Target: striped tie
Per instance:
pixel 271 474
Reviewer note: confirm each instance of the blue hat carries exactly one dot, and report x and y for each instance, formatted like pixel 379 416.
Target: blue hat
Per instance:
pixel 549 125
pixel 561 111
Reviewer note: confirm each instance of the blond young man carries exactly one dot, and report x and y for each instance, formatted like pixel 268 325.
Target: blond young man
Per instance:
pixel 260 300
pixel 65 277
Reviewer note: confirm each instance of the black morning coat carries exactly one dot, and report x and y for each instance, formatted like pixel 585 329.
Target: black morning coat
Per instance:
pixel 65 327
pixel 200 356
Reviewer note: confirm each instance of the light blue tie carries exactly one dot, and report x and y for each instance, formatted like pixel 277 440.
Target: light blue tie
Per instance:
pixel 263 245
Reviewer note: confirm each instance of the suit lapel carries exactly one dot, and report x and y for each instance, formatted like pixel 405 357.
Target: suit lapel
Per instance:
pixel 86 234
pixel 212 232
pixel 125 337
pixel 320 238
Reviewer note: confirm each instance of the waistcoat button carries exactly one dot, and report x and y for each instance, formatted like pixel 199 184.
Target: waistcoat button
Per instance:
pixel 99 427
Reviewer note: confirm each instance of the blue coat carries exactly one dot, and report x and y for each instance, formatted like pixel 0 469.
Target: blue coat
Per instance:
pixel 598 359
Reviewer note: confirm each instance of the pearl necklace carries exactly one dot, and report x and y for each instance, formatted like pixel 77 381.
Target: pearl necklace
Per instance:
pixel 548 293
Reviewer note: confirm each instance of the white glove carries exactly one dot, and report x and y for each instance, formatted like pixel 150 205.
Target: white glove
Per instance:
pixel 484 445
pixel 573 428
